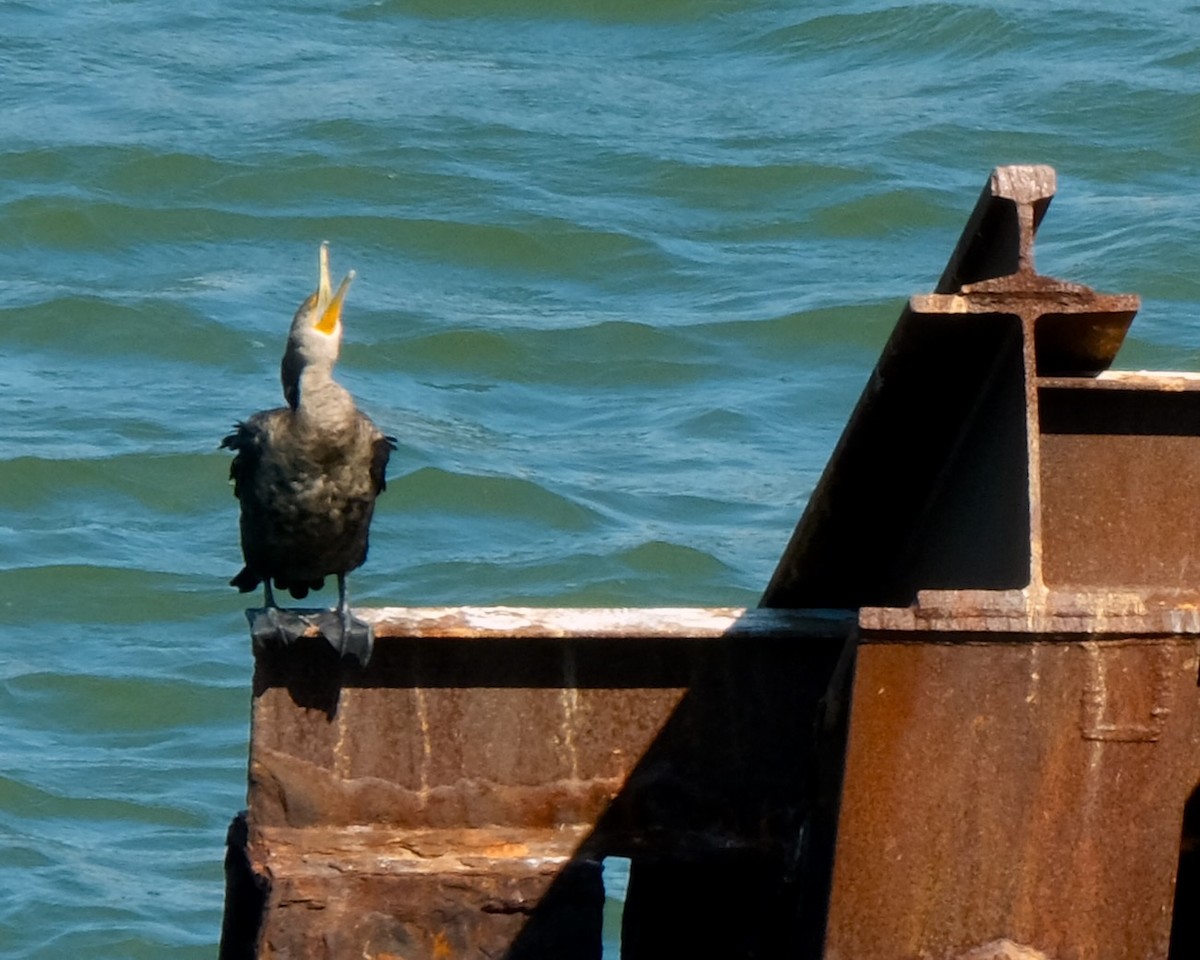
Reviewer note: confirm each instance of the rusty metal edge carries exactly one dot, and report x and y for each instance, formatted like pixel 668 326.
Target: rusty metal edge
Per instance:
pixel 682 623
pixel 1029 188
pixel 1055 615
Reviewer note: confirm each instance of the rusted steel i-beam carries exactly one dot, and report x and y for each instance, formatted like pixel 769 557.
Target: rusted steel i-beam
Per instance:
pixel 936 480
pixel 1018 530
pixel 458 797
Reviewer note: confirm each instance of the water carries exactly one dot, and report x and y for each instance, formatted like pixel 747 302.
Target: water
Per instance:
pixel 623 269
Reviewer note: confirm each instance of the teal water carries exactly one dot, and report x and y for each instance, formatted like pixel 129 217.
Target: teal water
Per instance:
pixel 623 270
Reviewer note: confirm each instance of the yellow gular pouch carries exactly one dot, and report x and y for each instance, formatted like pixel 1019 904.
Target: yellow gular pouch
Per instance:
pixel 329 319
pixel 332 315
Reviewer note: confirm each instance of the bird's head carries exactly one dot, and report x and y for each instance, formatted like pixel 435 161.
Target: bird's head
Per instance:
pixel 316 333
pixel 317 326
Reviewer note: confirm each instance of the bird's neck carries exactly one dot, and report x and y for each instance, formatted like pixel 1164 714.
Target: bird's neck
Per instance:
pixel 321 399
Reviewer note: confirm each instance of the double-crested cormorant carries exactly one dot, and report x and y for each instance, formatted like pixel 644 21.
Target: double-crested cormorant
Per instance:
pixel 306 476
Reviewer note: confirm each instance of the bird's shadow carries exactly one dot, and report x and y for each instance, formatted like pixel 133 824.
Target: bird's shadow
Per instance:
pixel 315 670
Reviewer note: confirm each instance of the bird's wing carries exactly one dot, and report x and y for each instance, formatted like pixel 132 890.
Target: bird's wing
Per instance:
pixel 380 452
pixel 290 368
pixel 246 442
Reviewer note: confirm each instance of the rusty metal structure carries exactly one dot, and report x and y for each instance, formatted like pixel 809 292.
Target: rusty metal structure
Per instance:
pixel 964 723
pixel 459 796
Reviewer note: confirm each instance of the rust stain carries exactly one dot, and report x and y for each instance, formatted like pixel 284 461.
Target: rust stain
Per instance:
pixel 1127 692
pixel 1003 950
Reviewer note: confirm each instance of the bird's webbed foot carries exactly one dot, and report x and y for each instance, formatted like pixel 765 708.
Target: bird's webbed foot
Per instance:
pixel 348 635
pixel 274 627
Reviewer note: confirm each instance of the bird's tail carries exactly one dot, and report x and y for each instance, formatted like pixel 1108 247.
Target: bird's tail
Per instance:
pixel 245 581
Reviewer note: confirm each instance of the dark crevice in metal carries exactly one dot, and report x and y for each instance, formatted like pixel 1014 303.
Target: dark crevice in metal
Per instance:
pixel 1185 923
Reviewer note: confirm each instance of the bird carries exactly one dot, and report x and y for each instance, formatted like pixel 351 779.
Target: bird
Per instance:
pixel 306 476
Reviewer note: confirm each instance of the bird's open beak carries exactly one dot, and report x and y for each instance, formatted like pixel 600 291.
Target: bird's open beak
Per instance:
pixel 329 307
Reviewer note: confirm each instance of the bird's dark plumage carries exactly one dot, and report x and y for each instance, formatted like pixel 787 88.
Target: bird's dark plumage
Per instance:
pixel 307 474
